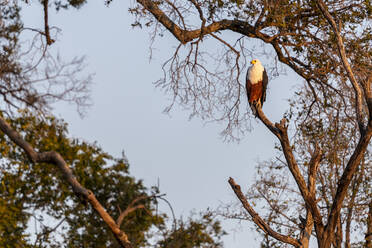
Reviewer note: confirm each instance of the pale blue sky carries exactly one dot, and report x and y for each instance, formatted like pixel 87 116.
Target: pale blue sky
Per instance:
pixel 189 158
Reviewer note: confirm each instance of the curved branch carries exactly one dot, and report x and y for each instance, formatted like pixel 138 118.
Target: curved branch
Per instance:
pixel 178 12
pixel 185 36
pixel 273 128
pixel 53 157
pixel 127 211
pixel 258 220
pixel 132 207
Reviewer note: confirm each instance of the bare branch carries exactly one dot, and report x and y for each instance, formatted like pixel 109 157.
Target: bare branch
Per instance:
pixel 369 94
pixel 273 128
pixel 178 12
pixel 49 40
pixel 201 16
pixel 185 36
pixel 258 220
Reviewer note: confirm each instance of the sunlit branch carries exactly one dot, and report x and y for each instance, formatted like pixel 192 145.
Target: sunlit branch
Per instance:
pixel 280 130
pixel 258 220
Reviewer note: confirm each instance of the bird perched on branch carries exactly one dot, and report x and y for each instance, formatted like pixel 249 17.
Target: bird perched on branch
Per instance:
pixel 256 84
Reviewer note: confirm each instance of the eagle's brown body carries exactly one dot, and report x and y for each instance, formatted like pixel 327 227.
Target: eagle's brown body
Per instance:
pixel 254 92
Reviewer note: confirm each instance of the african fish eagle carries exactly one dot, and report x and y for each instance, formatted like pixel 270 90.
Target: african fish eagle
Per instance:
pixel 256 84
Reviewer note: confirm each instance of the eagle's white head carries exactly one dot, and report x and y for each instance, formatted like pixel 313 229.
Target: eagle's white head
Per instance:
pixel 256 62
pixel 255 72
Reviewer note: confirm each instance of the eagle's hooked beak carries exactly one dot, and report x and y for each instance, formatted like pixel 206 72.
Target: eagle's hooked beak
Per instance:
pixel 253 62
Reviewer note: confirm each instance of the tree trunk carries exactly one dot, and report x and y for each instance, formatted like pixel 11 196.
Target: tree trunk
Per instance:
pixel 338 238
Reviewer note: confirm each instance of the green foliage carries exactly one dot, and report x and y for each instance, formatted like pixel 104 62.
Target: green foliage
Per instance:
pixel 204 232
pixel 36 196
pixel 38 190
pixel 37 206
pixel 63 4
pixel 10 27
pixel 13 217
pixel 67 3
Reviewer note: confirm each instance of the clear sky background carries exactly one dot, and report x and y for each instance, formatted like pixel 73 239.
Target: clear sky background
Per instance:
pixel 188 158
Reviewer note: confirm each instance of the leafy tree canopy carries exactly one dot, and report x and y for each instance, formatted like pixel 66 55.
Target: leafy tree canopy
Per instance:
pixel 36 197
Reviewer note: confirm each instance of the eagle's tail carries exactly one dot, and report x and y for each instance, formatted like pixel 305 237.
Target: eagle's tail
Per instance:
pixel 254 110
pixel 254 106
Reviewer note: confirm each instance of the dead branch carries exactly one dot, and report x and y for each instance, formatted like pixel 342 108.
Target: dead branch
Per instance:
pixel 258 220
pixel 49 40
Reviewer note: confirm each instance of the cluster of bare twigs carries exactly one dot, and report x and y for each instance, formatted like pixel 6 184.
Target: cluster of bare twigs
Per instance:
pixel 33 76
